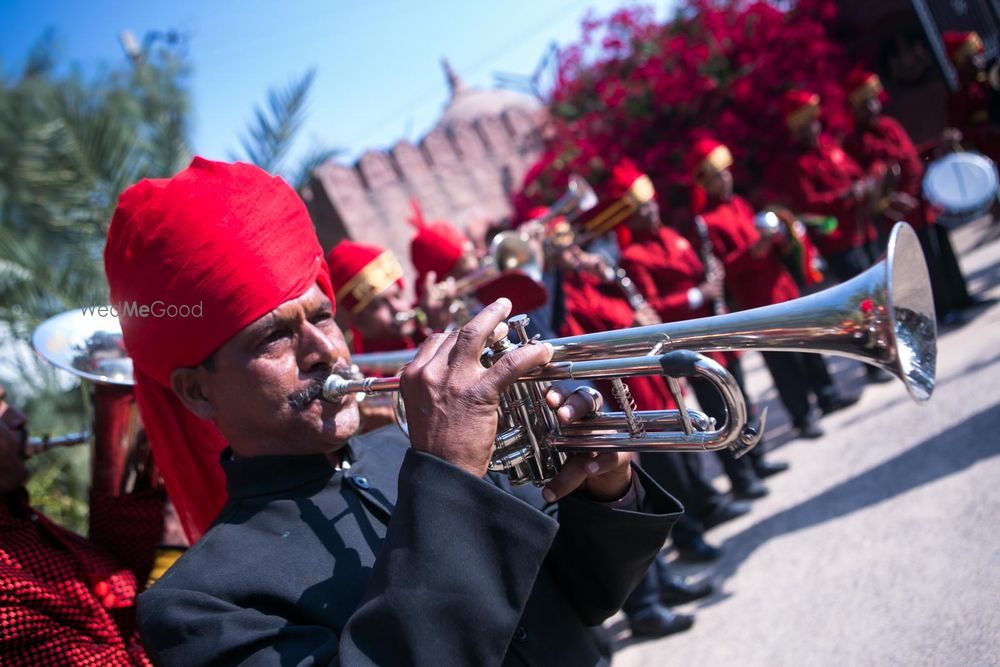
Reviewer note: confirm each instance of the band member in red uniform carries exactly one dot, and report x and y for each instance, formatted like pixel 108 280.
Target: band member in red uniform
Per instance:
pixel 445 258
pixel 674 283
pixel 440 248
pixel 441 254
pixel 816 176
pixel 969 106
pixel 63 599
pixel 756 276
pixel 368 283
pixel 594 303
pixel 880 140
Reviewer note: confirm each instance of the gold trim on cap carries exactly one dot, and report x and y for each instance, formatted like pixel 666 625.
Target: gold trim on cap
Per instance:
pixel 640 192
pixel 717 160
pixel 866 90
pixel 376 277
pixel 970 47
pixel 804 114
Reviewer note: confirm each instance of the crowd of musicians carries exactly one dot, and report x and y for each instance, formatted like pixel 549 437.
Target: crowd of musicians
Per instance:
pixel 320 535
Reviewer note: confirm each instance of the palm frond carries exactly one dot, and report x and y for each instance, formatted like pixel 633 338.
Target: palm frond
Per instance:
pixel 272 132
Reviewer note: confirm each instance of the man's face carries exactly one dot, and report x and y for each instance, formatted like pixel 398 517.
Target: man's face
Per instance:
pixel 646 218
pixel 719 185
pixel 263 383
pixel 378 320
pixel 467 263
pixel 866 114
pixel 808 133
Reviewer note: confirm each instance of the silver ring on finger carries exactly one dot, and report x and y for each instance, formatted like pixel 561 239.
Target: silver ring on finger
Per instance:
pixel 596 399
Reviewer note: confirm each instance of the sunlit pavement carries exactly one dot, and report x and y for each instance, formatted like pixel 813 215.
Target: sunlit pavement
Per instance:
pixel 881 545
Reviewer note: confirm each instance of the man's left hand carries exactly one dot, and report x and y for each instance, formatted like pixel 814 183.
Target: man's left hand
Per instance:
pixel 604 476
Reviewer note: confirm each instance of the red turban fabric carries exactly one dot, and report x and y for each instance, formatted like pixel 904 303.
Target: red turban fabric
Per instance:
pixel 799 107
pixel 212 250
pixel 437 246
pixel 961 46
pixel 359 272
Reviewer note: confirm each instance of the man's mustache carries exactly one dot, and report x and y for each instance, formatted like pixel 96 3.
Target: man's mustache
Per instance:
pixel 301 399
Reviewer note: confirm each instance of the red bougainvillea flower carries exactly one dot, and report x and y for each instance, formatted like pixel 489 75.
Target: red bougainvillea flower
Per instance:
pixel 633 87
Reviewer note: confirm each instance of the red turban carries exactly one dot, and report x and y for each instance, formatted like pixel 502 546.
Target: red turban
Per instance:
pixel 961 46
pixel 706 158
pixel 361 272
pixel 800 107
pixel 437 246
pixel 621 195
pixel 213 249
pixel 861 86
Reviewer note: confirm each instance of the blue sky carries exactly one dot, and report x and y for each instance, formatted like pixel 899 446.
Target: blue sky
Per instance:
pixel 378 62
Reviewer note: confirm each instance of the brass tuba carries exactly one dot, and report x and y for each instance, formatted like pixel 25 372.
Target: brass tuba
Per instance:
pixel 884 317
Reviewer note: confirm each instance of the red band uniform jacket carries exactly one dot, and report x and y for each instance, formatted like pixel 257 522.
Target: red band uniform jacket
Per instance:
pixel 818 180
pixel 751 281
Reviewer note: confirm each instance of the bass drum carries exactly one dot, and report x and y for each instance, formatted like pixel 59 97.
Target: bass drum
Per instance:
pixel 963 185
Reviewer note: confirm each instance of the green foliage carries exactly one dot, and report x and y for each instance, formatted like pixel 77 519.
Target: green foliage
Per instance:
pixel 69 145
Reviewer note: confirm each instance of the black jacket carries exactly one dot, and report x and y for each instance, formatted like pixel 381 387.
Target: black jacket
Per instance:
pixel 309 566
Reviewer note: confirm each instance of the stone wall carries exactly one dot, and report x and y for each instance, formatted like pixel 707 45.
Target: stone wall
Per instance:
pixel 463 173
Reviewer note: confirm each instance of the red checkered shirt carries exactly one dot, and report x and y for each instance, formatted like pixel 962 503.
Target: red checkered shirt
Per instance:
pixel 63 600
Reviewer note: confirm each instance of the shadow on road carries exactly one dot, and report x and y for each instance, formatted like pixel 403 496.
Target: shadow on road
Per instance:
pixel 935 458
pixel 926 462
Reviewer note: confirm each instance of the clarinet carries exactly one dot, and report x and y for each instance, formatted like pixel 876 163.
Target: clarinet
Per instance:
pixel 718 306
pixel 628 288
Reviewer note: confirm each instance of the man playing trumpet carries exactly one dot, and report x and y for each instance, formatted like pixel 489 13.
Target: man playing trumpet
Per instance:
pixel 317 546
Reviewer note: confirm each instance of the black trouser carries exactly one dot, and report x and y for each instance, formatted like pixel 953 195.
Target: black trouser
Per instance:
pixel 795 375
pixel 739 471
pixel 947 282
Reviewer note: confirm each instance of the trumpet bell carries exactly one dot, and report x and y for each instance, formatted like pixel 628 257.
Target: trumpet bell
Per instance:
pixel 513 250
pixel 913 321
pixel 86 344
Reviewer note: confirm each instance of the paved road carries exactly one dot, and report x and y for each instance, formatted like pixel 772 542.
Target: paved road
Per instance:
pixel 881 545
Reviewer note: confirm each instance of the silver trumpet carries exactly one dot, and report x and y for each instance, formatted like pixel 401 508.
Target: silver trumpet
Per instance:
pixel 884 317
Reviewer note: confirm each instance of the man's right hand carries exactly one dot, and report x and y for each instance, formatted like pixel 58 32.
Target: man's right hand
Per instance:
pixel 451 399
